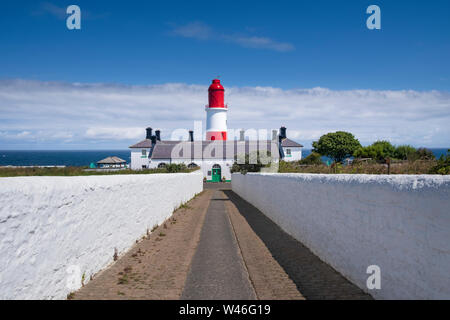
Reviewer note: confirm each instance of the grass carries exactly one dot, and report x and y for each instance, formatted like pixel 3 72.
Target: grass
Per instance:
pixel 81 171
pixel 403 167
pixel 184 206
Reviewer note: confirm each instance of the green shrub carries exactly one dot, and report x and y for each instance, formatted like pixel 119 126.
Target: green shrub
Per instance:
pixel 378 151
pixel 404 151
pixel 421 154
pixel 261 160
pixel 312 158
pixel 443 165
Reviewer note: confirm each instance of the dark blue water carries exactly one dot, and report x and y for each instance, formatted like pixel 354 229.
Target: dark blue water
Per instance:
pixel 86 157
pixel 66 157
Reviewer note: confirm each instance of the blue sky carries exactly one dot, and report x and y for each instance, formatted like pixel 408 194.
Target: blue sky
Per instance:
pixel 276 45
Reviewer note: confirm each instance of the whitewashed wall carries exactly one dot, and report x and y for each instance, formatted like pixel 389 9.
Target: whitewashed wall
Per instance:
pixel 400 223
pixel 50 223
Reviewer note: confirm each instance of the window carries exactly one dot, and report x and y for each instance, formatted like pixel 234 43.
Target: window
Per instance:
pixel 144 167
pixel 192 165
pixel 161 165
pixel 216 166
pixel 288 152
pixel 144 153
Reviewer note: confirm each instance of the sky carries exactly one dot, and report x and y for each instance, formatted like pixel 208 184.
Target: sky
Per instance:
pixel 312 66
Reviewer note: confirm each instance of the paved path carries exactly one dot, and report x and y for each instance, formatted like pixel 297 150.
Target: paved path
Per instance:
pixel 315 279
pixel 219 247
pixel 218 270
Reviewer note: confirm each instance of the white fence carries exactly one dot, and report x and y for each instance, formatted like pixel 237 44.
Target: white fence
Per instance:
pixel 400 223
pixel 55 229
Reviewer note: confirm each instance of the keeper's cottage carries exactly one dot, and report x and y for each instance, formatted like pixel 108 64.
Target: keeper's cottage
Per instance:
pixel 216 154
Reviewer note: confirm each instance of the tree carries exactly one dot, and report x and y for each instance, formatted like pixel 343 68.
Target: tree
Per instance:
pixel 336 145
pixel 404 151
pixel 379 151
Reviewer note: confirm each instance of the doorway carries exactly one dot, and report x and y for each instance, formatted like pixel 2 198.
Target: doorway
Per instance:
pixel 216 173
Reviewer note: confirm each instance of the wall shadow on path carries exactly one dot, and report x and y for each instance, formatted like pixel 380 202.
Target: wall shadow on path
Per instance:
pixel 314 278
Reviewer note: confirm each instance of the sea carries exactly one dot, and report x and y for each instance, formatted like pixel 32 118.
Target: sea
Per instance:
pixel 86 157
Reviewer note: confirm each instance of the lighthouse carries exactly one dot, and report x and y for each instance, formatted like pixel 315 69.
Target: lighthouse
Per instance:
pixel 216 113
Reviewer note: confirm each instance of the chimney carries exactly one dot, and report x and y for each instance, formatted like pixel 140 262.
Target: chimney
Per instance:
pixel 241 136
pixel 283 133
pixel 153 138
pixel 149 133
pixel 191 135
pixel 158 135
pixel 274 135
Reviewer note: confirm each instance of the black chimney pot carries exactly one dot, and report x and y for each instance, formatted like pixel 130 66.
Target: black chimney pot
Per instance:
pixel 283 132
pixel 242 135
pixel 153 138
pixel 191 135
pixel 149 133
pixel 158 135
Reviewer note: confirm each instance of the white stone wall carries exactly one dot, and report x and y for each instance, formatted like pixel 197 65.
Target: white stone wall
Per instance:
pixel 400 223
pixel 48 224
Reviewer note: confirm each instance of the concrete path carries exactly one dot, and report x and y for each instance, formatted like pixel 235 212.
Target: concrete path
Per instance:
pixel 218 270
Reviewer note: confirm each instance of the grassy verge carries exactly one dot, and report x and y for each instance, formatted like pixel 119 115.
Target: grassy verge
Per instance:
pixel 81 171
pixel 416 167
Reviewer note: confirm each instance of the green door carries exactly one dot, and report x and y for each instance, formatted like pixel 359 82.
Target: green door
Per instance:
pixel 216 175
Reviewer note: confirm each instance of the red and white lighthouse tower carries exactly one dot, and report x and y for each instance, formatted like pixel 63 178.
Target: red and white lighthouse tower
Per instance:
pixel 216 112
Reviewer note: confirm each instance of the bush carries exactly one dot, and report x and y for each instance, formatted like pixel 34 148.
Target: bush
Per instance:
pixel 176 167
pixel 251 167
pixel 378 151
pixel 403 152
pixel 421 154
pixel 313 158
pixel 443 165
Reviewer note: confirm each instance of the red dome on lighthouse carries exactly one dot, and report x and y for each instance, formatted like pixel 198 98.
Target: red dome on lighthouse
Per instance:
pixel 216 94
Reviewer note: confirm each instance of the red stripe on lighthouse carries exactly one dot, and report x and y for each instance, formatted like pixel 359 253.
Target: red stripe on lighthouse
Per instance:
pixel 216 135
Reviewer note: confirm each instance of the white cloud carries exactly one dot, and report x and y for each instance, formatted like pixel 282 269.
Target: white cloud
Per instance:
pixel 200 31
pixel 53 114
pixel 196 30
pixel 114 133
pixel 261 43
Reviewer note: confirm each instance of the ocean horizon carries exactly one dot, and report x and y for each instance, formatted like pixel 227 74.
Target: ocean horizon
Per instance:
pixel 86 157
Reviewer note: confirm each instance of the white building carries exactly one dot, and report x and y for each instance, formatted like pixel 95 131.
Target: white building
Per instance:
pixel 215 158
pixel 216 155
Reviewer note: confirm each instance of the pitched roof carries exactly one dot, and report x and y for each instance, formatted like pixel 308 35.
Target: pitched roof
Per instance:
pixel 147 143
pixel 290 143
pixel 111 160
pixel 210 149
